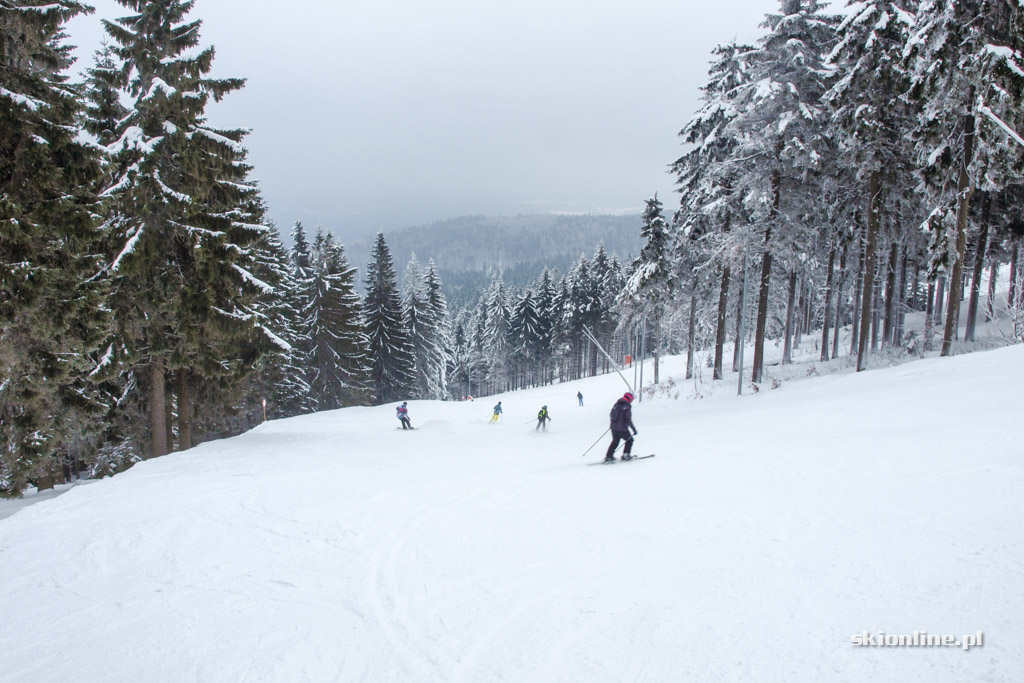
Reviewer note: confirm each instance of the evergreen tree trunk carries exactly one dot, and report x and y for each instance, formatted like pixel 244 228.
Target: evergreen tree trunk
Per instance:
pixel 169 415
pixel 757 368
pixel 839 303
pixel 723 300
pixel 739 319
pixel 802 308
pixel 964 190
pixel 184 411
pixel 890 294
pixel 787 346
pixel 867 296
pixel 979 267
pixel 1011 297
pixel 657 344
pixel 993 275
pixel 857 306
pixel 901 302
pixel 827 321
pixel 157 411
pixel 940 298
pixel 929 316
pixel 691 335
pixel 876 317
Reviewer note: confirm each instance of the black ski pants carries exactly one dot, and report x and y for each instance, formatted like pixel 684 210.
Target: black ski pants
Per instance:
pixel 406 423
pixel 617 436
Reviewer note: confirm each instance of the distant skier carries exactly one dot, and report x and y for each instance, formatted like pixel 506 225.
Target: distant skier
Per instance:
pixel 542 419
pixel 622 422
pixel 579 395
pixel 497 412
pixel 402 413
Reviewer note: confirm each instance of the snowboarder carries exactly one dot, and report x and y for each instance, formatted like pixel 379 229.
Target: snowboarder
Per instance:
pixel 579 395
pixel 542 419
pixel 497 412
pixel 622 422
pixel 402 413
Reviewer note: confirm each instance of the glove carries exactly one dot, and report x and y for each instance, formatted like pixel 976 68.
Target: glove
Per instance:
pixel 635 432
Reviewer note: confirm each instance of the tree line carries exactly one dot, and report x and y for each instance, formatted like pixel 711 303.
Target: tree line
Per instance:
pixel 852 168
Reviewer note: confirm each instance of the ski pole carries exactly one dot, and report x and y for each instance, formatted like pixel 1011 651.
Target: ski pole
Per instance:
pixel 596 442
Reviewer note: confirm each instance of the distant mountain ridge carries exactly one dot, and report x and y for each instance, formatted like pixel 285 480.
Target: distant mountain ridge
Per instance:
pixel 470 250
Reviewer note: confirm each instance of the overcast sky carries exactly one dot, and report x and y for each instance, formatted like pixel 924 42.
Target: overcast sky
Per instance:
pixel 379 114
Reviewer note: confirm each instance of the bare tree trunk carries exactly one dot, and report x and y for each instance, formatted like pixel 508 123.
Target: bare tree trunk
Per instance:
pixel 723 301
pixel 875 319
pixel 901 302
pixel 964 190
pixel 657 343
pixel 739 320
pixel 979 267
pixel 827 320
pixel 839 303
pixel 157 411
pixel 929 315
pixel 993 275
pixel 757 368
pixel 1011 297
pixel 802 309
pixel 858 294
pixel 787 344
pixel 691 336
pixel 890 293
pixel 867 298
pixel 184 411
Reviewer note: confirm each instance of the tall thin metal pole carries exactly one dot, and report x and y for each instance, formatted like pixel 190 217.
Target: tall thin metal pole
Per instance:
pixel 742 338
pixel 643 352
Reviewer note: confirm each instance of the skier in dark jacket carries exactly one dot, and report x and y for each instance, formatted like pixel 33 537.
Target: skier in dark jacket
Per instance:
pixel 402 413
pixel 622 422
pixel 542 419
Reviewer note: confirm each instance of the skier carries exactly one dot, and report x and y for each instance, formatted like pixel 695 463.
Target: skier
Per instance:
pixel 579 395
pixel 402 413
pixel 622 422
pixel 497 412
pixel 542 419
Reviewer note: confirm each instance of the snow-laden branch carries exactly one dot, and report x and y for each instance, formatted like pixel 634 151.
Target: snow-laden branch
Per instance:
pixel 1002 124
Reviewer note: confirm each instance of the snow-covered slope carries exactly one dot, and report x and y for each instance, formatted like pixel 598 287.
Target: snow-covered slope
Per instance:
pixel 767 532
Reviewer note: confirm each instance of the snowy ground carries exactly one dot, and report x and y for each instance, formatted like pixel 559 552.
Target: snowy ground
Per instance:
pixel 767 532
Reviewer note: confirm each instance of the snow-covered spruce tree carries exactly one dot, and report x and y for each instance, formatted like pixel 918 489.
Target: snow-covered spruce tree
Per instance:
pixel 525 333
pixel 391 360
pixel 51 317
pixel 651 287
pixel 413 315
pixel 546 325
pixel 608 283
pixel 706 176
pixel 337 367
pixel 967 73
pixel 870 120
pixel 280 376
pixel 177 232
pixel 498 337
pixel 437 356
pixel 781 124
pixel 479 364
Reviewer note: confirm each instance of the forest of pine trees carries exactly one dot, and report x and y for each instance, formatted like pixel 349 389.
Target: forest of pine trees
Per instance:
pixel 841 173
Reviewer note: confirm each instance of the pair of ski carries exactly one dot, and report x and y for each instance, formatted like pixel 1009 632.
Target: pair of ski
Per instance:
pixel 612 462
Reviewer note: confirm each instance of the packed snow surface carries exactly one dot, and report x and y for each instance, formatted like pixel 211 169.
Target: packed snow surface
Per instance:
pixel 768 531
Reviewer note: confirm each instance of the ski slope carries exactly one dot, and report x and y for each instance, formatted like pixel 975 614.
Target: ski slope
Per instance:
pixel 767 532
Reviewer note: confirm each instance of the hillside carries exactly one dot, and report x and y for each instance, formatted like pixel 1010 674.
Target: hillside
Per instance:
pixel 470 250
pixel 767 532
